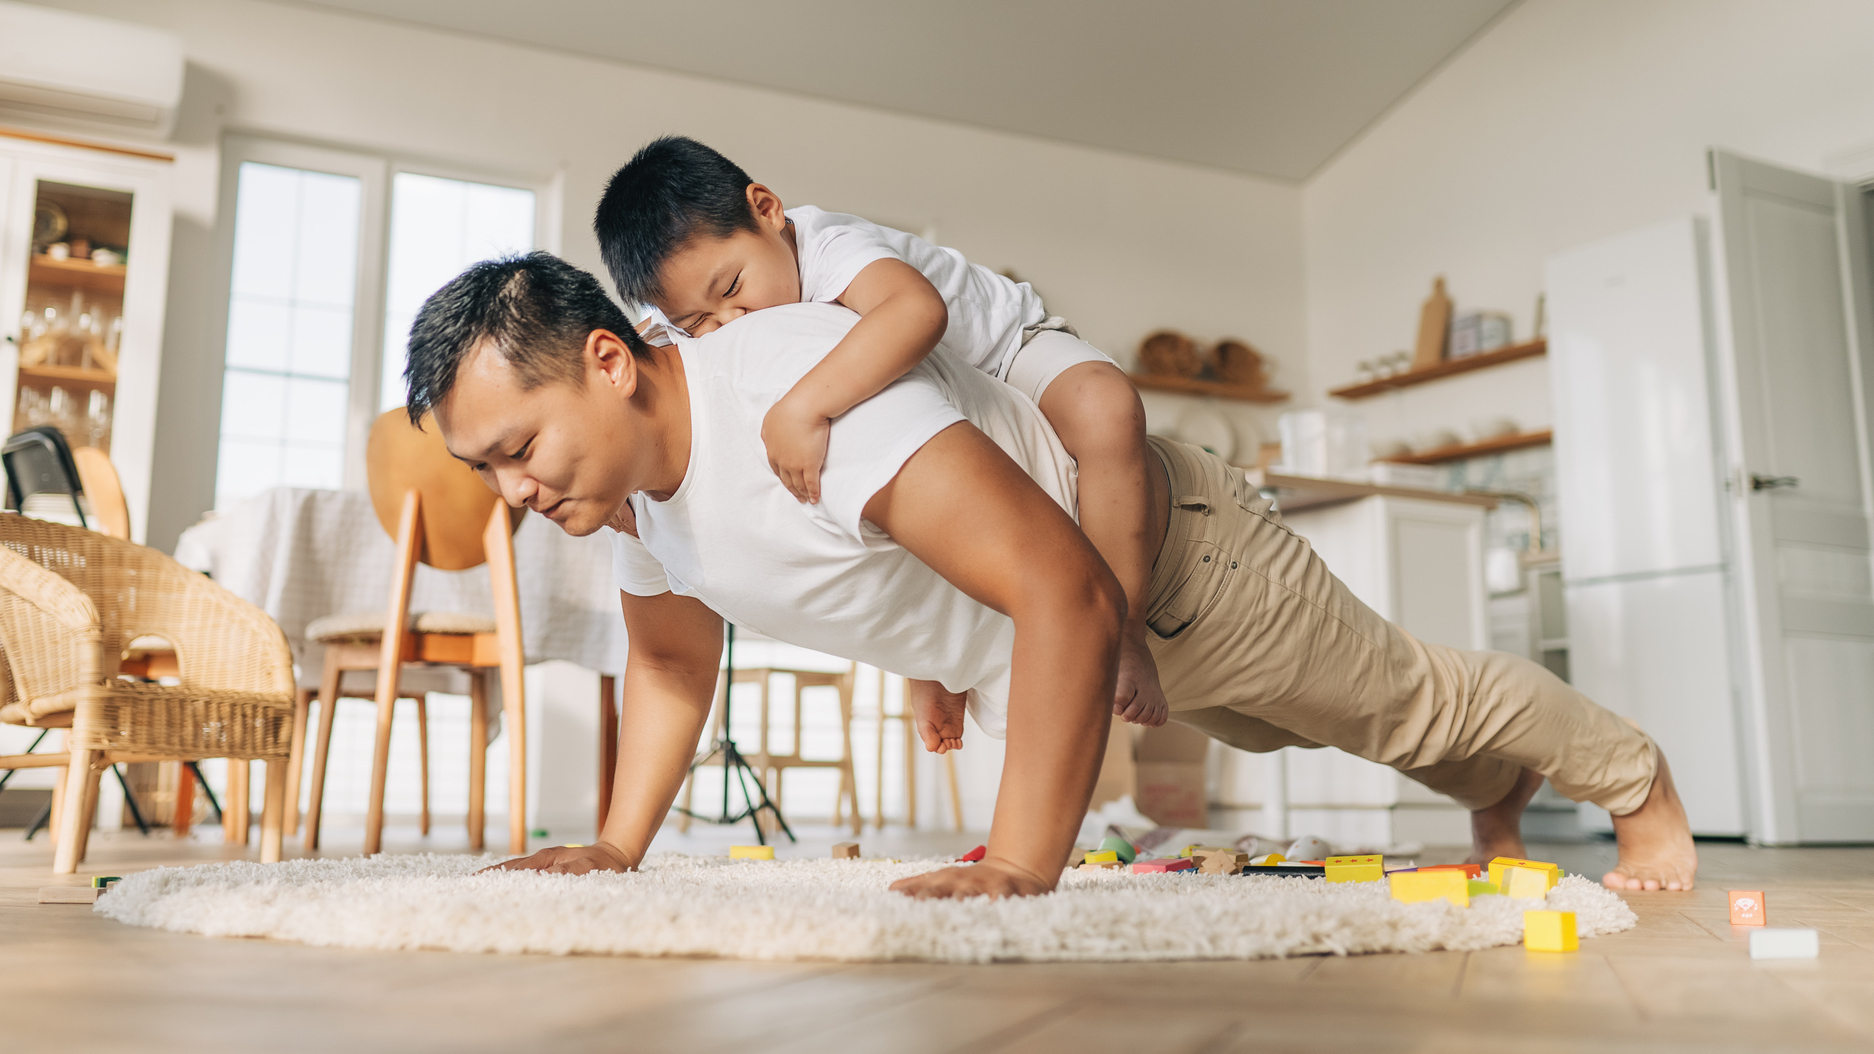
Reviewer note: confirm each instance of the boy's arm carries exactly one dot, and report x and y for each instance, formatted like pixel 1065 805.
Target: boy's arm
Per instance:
pixel 1017 552
pixel 670 682
pixel 902 317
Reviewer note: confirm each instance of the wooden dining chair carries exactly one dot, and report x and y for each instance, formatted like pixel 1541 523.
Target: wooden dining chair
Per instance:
pixel 949 762
pixel 768 763
pixel 439 513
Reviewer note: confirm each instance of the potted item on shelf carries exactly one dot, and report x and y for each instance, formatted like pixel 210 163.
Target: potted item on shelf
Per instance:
pixel 1476 332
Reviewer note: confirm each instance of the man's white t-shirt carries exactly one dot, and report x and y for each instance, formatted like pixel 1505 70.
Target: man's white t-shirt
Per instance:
pixel 987 311
pixel 818 575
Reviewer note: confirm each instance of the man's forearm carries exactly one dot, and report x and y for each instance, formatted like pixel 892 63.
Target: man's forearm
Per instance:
pixel 662 718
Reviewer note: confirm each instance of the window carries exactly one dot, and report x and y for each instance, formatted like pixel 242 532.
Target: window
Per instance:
pixel 319 312
pixel 290 314
pixel 438 227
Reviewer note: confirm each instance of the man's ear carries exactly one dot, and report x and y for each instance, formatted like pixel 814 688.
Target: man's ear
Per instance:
pixel 609 361
pixel 767 207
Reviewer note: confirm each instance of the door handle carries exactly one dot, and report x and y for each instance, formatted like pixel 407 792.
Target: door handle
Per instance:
pixel 1773 482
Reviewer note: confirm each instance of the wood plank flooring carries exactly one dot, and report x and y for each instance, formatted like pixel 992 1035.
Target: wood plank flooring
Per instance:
pixel 1682 980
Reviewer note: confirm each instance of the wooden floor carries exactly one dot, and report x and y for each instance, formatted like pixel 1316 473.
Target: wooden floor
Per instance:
pixel 72 981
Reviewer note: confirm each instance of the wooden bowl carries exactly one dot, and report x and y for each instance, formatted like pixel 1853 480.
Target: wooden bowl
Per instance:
pixel 1168 352
pixel 1238 363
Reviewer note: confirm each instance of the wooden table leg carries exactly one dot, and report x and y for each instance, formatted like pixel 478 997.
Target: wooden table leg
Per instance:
pixel 184 813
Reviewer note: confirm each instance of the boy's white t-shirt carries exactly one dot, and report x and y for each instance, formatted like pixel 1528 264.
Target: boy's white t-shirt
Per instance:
pixel 818 575
pixel 987 311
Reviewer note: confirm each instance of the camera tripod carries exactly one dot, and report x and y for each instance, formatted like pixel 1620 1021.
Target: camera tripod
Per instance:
pixel 735 767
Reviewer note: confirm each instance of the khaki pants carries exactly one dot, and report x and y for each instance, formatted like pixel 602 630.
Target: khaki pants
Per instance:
pixel 1259 646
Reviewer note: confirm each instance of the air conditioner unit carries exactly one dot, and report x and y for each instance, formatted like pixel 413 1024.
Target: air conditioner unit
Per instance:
pixel 61 68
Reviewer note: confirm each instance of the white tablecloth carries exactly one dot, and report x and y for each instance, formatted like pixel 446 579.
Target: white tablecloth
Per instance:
pixel 302 554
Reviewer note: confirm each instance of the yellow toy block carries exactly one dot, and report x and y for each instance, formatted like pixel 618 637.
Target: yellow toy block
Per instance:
pixel 1356 868
pixel 1477 887
pixel 1268 860
pixel 1525 883
pixel 1102 865
pixel 1550 931
pixel 751 852
pixel 1411 887
pixel 1554 871
pixel 1101 856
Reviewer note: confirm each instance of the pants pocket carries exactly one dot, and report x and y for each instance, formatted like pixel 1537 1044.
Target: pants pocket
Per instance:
pixel 1206 571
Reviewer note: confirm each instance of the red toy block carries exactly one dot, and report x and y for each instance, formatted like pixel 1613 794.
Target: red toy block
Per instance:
pixel 1748 907
pixel 1168 864
pixel 973 855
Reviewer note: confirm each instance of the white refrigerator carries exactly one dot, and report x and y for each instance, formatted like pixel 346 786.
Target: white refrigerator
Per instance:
pixel 1711 391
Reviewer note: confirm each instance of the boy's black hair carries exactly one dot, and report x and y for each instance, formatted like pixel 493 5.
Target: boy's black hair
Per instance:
pixel 672 190
pixel 537 310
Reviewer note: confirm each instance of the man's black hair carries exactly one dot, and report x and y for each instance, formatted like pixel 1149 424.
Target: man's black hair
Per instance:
pixel 536 310
pixel 672 190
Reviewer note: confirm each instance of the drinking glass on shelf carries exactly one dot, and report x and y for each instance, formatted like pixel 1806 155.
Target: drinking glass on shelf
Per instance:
pixel 63 411
pixel 98 421
pixel 31 410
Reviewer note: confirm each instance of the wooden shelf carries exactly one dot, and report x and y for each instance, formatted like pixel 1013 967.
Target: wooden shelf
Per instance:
pixel 1307 492
pixel 1447 368
pixel 1460 451
pixel 1200 386
pixel 84 273
pixel 78 374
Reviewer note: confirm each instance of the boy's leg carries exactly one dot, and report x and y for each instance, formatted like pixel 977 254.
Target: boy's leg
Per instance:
pixel 1262 628
pixel 1097 415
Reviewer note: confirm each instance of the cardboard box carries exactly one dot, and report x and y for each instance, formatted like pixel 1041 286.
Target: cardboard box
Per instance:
pixel 1169 764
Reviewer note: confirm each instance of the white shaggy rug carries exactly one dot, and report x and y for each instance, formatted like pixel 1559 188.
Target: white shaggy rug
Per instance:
pixel 816 909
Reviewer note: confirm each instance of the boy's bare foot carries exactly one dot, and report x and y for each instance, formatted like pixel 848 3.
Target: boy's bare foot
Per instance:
pixel 1656 850
pixel 1137 695
pixel 938 714
pixel 1498 830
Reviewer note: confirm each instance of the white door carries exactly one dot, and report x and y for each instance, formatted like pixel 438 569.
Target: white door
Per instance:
pixel 1796 380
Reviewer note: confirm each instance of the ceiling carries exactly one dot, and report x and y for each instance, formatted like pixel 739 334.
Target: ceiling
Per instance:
pixel 1265 87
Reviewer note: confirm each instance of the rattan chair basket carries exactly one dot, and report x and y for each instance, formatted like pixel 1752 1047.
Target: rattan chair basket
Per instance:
pixel 71 601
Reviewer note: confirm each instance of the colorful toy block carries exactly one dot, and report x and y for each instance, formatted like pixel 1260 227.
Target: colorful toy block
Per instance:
pixel 1525 883
pixel 1101 865
pixel 1126 850
pixel 973 855
pixel 1101 856
pixel 1163 866
pixel 1412 887
pixel 104 881
pixel 751 852
pixel 1553 871
pixel 1748 907
pixel 1780 944
pixel 1470 870
pixel 846 850
pixel 1550 931
pixel 1477 887
pixel 1355 868
pixel 1268 860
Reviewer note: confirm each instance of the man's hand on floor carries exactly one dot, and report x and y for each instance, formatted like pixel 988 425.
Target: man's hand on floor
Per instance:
pixel 569 860
pixel 989 878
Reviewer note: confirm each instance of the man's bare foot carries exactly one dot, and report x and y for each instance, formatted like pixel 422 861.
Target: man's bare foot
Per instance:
pixel 938 714
pixel 1498 830
pixel 1137 695
pixel 1656 850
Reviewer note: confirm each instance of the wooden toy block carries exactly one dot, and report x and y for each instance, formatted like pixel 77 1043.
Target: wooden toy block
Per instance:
pixel 1101 865
pixel 1470 870
pixel 1355 868
pixel 973 855
pixel 1748 907
pixel 1101 856
pixel 751 852
pixel 1221 861
pixel 1785 944
pixel 846 850
pixel 1525 883
pixel 1126 850
pixel 69 895
pixel 1268 860
pixel 1553 871
pixel 1412 887
pixel 1478 887
pixel 1550 931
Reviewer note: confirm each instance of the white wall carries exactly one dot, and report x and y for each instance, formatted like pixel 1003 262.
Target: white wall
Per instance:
pixel 1119 244
pixel 1568 121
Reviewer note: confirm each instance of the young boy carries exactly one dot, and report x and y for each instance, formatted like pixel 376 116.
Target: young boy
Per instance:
pixel 687 233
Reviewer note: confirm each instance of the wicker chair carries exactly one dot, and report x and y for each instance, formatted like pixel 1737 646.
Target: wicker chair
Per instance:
pixel 70 601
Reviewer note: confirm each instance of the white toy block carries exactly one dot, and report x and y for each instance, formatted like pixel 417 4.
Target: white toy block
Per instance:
pixel 1785 944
